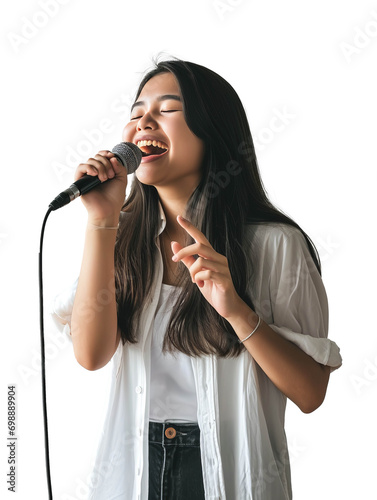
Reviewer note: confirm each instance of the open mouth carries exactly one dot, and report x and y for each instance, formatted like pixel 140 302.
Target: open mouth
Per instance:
pixel 152 148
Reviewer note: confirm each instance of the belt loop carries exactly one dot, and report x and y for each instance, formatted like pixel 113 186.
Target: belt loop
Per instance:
pixel 163 433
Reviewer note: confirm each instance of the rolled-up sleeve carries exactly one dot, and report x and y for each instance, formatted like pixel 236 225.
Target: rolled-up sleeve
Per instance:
pixel 294 300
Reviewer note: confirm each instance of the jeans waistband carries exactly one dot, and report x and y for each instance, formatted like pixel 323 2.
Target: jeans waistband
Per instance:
pixel 170 433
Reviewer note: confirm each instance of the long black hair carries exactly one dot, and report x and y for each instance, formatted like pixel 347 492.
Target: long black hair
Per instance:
pixel 230 196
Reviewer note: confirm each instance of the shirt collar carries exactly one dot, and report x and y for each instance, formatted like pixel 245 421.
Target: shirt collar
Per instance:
pixel 162 218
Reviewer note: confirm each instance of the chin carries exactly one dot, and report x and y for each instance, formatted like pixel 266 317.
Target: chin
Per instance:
pixel 145 177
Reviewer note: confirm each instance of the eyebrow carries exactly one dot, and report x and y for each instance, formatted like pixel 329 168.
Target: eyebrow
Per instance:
pixel 160 98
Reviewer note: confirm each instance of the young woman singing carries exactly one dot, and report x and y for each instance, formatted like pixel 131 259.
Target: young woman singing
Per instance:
pixel 207 299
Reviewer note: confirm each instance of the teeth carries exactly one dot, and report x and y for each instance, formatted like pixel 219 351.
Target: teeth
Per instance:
pixel 152 143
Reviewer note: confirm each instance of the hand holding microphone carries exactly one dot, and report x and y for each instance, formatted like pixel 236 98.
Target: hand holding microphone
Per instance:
pixel 105 166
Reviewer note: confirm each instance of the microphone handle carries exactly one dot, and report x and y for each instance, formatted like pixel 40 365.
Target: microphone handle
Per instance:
pixel 81 186
pixel 84 184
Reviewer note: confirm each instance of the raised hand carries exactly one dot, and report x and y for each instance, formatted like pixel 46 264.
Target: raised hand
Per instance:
pixel 210 271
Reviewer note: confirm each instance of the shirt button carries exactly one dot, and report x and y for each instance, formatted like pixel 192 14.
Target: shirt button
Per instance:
pixel 138 389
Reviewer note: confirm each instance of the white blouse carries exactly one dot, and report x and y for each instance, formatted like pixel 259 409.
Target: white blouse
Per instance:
pixel 240 412
pixel 172 382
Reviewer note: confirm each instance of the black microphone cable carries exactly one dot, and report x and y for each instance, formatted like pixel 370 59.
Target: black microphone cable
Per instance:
pixel 130 156
pixel 45 428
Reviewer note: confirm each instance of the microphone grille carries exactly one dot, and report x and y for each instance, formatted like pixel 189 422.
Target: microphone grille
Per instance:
pixel 129 155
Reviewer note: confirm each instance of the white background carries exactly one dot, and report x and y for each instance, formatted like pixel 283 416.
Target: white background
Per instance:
pixel 67 67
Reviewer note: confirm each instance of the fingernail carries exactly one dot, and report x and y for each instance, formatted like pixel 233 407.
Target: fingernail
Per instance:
pixel 180 216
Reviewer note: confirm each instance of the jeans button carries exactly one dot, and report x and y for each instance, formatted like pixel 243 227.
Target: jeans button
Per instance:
pixel 170 432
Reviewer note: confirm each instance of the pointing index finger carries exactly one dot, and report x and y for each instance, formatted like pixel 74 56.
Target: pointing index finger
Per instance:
pixel 192 230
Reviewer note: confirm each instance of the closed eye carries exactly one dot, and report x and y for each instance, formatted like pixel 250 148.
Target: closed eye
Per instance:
pixel 162 111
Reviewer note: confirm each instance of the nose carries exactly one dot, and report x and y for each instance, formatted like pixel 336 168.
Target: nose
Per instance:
pixel 146 122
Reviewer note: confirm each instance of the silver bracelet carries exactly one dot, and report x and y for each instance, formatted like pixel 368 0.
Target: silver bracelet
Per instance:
pixel 103 227
pixel 255 329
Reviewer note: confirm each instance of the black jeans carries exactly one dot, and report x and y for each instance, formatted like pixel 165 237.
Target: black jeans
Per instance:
pixel 175 468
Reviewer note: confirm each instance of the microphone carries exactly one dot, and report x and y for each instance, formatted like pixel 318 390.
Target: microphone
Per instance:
pixel 127 153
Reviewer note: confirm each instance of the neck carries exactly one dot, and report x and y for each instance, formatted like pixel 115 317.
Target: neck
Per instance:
pixel 174 206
